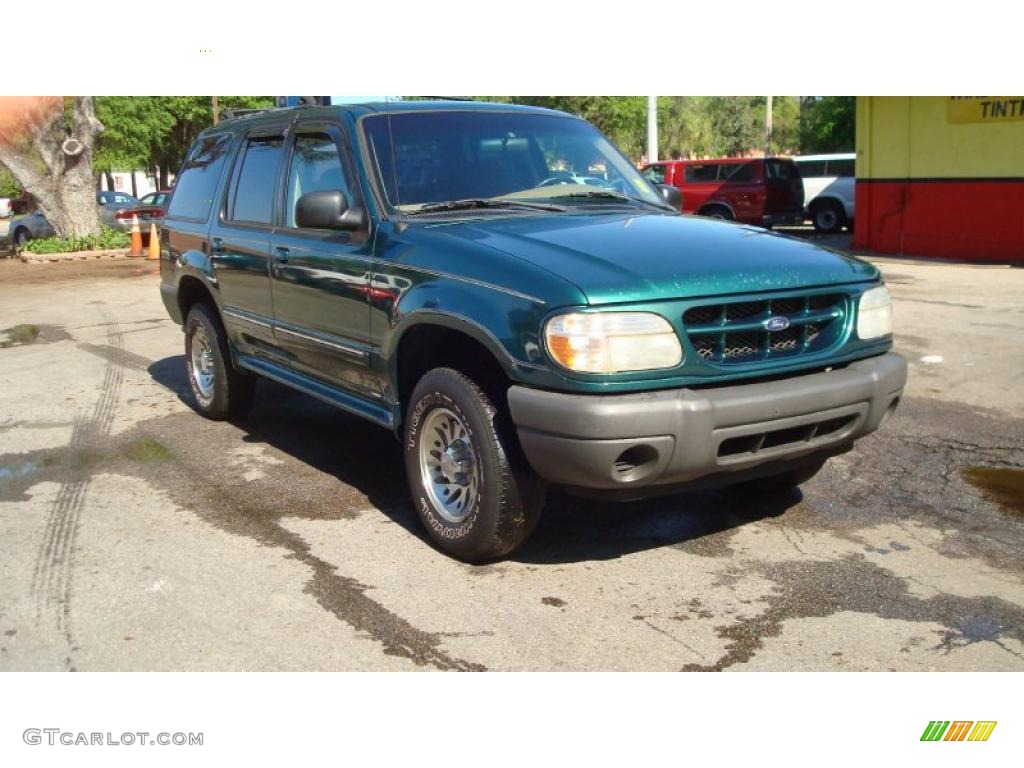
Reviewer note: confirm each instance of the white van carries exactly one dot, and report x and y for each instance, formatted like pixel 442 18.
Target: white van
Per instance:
pixel 5 207
pixel 829 184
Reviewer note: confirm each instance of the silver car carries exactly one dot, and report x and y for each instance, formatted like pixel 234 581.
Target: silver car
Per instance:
pixel 34 225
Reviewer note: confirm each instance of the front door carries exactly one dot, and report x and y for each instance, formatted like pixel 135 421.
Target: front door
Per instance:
pixel 321 278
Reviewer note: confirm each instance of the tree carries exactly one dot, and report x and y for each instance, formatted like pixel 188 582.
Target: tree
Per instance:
pixel 153 133
pixel 9 186
pixel 47 143
pixel 828 124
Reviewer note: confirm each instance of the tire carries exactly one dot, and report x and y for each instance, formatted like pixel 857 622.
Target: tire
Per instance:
pixel 828 217
pixel 475 496
pixel 20 238
pixel 718 212
pixel 220 392
pixel 783 481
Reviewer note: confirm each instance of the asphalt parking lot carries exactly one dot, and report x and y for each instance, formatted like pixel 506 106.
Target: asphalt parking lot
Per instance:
pixel 135 535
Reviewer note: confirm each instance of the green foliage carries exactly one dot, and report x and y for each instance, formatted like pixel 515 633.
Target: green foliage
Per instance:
pixel 106 239
pixel 828 124
pixel 9 186
pixel 147 132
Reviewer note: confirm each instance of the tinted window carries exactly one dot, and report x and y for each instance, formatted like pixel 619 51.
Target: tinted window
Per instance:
pixel 841 167
pixel 253 196
pixel 812 169
pixel 315 167
pixel 780 170
pixel 197 181
pixel 737 173
pixel 656 173
pixel 699 173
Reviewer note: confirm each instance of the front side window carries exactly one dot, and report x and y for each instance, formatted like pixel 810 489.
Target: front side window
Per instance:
pixel 253 197
pixel 199 176
pixel 441 156
pixel 315 167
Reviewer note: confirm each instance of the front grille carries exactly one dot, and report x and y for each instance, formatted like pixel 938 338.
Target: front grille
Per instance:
pixel 734 332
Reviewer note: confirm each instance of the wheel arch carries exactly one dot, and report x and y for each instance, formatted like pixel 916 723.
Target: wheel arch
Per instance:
pixel 439 339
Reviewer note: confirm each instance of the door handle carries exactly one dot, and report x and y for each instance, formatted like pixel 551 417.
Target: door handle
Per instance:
pixel 216 245
pixel 281 254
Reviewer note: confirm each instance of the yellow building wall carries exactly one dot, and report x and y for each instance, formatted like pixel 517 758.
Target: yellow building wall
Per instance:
pixel 901 137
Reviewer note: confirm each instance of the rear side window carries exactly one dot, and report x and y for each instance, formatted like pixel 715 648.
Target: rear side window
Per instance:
pixel 704 172
pixel 812 169
pixel 197 181
pixel 253 197
pixel 316 167
pixel 737 173
pixel 841 168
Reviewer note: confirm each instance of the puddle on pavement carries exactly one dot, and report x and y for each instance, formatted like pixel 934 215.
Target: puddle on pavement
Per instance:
pixel 18 470
pixel 147 449
pixel 1003 486
pixel 29 333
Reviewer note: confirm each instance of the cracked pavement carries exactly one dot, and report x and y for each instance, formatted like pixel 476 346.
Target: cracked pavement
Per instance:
pixel 138 536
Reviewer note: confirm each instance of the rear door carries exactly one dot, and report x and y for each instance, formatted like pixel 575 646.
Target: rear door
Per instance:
pixel 321 278
pixel 743 190
pixel 784 187
pixel 240 240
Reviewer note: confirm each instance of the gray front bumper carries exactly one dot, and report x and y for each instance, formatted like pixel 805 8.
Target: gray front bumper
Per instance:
pixel 678 436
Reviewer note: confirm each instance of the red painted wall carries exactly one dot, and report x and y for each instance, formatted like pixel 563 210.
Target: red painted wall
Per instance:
pixel 980 220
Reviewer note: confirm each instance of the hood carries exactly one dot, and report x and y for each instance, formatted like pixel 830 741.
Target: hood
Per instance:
pixel 633 257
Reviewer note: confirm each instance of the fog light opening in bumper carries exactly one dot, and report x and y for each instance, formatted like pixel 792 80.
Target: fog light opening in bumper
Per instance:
pixel 635 462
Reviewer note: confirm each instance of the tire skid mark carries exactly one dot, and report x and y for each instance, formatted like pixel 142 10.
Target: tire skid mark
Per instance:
pixel 52 574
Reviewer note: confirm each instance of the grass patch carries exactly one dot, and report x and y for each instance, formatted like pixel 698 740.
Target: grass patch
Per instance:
pixel 107 239
pixel 19 334
pixel 147 449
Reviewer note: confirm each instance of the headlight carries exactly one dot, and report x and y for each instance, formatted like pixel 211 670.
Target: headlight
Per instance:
pixel 608 342
pixel 874 313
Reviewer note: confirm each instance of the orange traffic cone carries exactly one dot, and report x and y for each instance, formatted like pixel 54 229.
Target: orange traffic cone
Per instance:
pixel 136 238
pixel 154 243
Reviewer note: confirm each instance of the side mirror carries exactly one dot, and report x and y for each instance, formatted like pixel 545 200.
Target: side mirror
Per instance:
pixel 672 196
pixel 328 209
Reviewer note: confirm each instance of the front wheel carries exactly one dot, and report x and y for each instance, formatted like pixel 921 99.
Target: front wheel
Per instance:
pixel 21 238
pixel 475 498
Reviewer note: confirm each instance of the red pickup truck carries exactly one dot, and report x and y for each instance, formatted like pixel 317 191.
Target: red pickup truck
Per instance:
pixel 764 191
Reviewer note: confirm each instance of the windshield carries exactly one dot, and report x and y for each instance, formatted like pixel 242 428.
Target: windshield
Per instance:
pixel 443 156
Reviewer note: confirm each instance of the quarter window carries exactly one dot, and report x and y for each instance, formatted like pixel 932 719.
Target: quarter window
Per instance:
pixel 841 168
pixel 198 179
pixel 253 197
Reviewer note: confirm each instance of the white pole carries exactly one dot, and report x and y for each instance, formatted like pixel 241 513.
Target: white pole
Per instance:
pixel 652 129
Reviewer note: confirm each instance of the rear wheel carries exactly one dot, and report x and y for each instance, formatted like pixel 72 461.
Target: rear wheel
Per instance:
pixel 219 391
pixel 828 217
pixel 476 500
pixel 718 212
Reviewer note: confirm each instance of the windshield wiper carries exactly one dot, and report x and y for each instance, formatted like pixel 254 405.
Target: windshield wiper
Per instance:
pixel 478 203
pixel 616 197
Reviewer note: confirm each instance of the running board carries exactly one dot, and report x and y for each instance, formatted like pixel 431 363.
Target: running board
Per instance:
pixel 354 404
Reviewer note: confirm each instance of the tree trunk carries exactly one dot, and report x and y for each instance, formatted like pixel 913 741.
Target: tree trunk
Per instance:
pixel 110 180
pixel 135 187
pixel 52 160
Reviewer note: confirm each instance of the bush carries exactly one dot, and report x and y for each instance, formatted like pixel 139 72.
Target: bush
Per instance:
pixel 107 239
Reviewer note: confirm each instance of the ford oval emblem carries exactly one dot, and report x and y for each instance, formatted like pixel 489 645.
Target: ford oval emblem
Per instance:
pixel 776 323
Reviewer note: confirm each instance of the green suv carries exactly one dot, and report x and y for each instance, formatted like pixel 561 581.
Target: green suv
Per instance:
pixel 500 287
